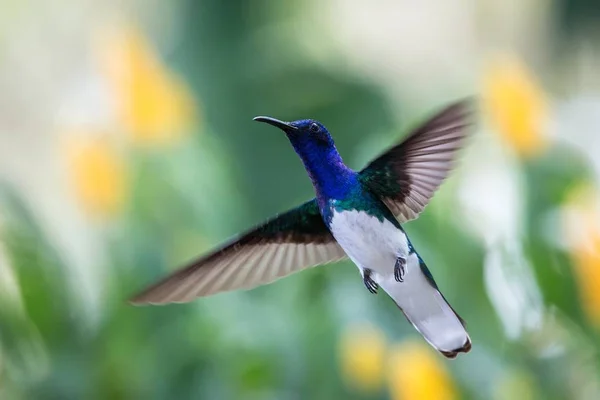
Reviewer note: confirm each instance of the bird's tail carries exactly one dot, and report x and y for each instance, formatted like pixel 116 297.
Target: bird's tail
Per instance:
pixel 427 310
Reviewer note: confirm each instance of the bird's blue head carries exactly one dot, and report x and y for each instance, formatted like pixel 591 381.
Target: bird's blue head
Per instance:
pixel 315 146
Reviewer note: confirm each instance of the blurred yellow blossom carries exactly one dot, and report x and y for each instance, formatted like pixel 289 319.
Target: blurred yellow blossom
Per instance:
pixel 416 372
pixel 98 174
pixel 362 350
pixel 153 104
pixel 515 105
pixel 581 223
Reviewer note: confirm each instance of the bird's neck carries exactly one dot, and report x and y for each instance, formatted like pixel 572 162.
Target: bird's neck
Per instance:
pixel 331 178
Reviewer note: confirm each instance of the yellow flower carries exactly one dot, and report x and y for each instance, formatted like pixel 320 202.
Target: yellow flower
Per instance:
pixel 515 105
pixel 98 175
pixel 362 351
pixel 581 223
pixel 153 104
pixel 416 372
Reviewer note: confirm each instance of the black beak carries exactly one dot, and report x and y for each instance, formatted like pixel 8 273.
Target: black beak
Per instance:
pixel 284 126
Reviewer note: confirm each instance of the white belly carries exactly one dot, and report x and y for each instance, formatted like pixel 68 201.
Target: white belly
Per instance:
pixel 369 242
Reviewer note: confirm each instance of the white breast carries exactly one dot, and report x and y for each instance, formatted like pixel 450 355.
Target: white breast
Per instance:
pixel 369 242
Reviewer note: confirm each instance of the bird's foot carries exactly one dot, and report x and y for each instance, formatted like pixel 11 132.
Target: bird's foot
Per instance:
pixel 371 285
pixel 399 269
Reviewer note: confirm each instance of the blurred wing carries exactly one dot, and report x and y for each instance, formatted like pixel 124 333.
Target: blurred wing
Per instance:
pixel 283 245
pixel 407 175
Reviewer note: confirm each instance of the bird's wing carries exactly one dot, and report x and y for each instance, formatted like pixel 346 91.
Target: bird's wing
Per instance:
pixel 285 244
pixel 407 175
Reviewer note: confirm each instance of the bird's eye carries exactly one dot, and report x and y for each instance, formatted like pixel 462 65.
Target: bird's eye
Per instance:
pixel 314 127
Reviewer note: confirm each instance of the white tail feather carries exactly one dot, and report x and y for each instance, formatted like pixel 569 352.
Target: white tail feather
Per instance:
pixel 426 308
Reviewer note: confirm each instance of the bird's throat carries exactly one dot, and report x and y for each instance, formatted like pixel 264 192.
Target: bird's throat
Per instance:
pixel 327 171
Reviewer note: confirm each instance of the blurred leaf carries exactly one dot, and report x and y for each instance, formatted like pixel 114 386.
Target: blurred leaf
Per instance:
pixel 40 272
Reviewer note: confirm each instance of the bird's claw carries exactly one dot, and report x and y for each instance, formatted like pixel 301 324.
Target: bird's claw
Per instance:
pixel 370 284
pixel 399 269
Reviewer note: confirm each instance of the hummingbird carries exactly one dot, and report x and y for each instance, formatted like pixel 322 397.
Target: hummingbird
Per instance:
pixel 355 215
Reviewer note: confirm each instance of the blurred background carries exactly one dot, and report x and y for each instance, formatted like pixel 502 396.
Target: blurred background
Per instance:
pixel 127 148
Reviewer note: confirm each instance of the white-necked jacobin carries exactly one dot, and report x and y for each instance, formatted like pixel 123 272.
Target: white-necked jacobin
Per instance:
pixel 355 215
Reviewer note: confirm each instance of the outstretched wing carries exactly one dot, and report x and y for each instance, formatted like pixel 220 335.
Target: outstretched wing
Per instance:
pixel 285 244
pixel 408 174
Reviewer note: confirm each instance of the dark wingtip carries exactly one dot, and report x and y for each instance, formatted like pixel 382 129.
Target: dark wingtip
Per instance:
pixel 467 107
pixel 137 300
pixel 465 348
pixel 140 301
pixel 147 298
pixel 466 102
